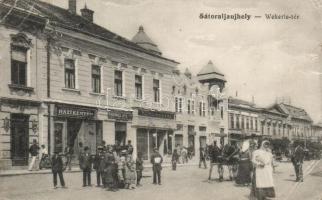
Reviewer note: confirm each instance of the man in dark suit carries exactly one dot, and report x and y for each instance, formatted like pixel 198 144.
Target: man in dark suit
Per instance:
pixel 99 165
pixel 156 161
pixel 85 162
pixel 297 160
pixel 214 154
pixel 57 168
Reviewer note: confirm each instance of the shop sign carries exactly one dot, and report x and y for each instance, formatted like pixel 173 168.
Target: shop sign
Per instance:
pixel 74 111
pixel 156 114
pixel 120 115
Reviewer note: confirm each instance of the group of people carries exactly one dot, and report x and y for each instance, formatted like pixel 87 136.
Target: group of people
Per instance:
pixel 114 165
pixel 250 165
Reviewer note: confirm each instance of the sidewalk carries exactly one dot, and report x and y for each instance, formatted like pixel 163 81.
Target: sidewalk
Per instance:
pixel 19 172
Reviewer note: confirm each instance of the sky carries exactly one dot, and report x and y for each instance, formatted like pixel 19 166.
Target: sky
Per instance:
pixel 267 59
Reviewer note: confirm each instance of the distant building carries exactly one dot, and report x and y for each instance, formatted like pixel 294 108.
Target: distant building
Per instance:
pixel 243 120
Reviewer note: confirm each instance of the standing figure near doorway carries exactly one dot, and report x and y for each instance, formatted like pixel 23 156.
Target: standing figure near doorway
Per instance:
pixel 85 162
pixel 34 151
pixel 57 169
pixel 156 161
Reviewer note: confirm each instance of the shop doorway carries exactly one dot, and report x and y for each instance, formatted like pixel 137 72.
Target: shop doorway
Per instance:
pixel 120 133
pixel 19 139
pixel 203 141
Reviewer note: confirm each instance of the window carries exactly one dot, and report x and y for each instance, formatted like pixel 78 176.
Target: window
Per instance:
pixel 70 73
pixel 188 107
pixel 192 107
pixel 202 128
pixel 96 79
pixel 222 112
pixel 256 125
pixel 237 122
pixel 251 123
pixel 203 109
pixel 242 122
pixel 178 104
pixel 232 121
pixel 200 108
pixel 118 83
pixel 179 127
pixel 247 123
pixel 138 87
pixel 156 90
pixel 19 66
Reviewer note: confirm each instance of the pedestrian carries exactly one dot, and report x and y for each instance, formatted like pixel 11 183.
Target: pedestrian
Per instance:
pixel 244 165
pixel 202 157
pixel 297 160
pixel 85 162
pixel 34 151
pixel 174 159
pixel 214 154
pixel 178 148
pixel 130 172
pixel 68 153
pixel 109 169
pixel 230 150
pixel 156 161
pixel 44 158
pixel 129 147
pixel 139 169
pixel 184 155
pixel 263 186
pixel 121 169
pixel 99 165
pixel 57 169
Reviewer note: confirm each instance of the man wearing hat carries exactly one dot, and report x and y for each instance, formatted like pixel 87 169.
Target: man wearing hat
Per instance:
pixel 34 151
pixel 297 160
pixel 156 160
pixel 57 168
pixel 85 162
pixel 99 165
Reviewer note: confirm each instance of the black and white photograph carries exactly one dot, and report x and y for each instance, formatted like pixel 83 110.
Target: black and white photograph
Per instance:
pixel 160 99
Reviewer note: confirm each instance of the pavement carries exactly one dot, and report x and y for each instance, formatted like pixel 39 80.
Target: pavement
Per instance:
pixel 188 182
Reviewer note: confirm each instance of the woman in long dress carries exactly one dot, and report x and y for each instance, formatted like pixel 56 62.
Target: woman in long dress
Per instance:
pixel 244 165
pixel 263 173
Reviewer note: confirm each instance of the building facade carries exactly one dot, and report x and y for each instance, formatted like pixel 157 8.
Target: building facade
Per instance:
pixel 243 120
pixel 67 81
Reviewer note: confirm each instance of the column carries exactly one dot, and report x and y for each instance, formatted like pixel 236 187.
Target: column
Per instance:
pixel 109 132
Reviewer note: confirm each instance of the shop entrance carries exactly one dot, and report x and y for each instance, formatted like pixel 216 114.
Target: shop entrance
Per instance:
pixel 120 133
pixel 19 139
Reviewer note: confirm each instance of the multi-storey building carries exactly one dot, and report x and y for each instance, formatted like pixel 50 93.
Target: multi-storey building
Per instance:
pixel 243 120
pixel 299 120
pixel 66 80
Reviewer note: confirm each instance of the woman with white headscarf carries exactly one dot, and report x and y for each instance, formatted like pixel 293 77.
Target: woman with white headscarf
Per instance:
pixel 244 165
pixel 263 184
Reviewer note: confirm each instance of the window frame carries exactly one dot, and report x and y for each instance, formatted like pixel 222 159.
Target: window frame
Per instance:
pixel 95 77
pixel 19 65
pixel 69 70
pixel 118 81
pixel 139 97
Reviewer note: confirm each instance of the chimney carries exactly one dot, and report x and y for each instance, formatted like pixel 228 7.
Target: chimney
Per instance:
pixel 87 13
pixel 72 6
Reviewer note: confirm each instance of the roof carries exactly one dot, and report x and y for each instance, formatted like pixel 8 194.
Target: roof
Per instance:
pixel 142 39
pixel 210 71
pixel 295 112
pixel 236 101
pixel 62 17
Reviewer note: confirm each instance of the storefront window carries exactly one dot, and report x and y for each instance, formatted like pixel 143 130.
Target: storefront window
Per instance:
pixel 58 137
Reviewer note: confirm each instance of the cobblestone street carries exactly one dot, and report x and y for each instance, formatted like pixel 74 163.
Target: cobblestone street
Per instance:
pixel 187 182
